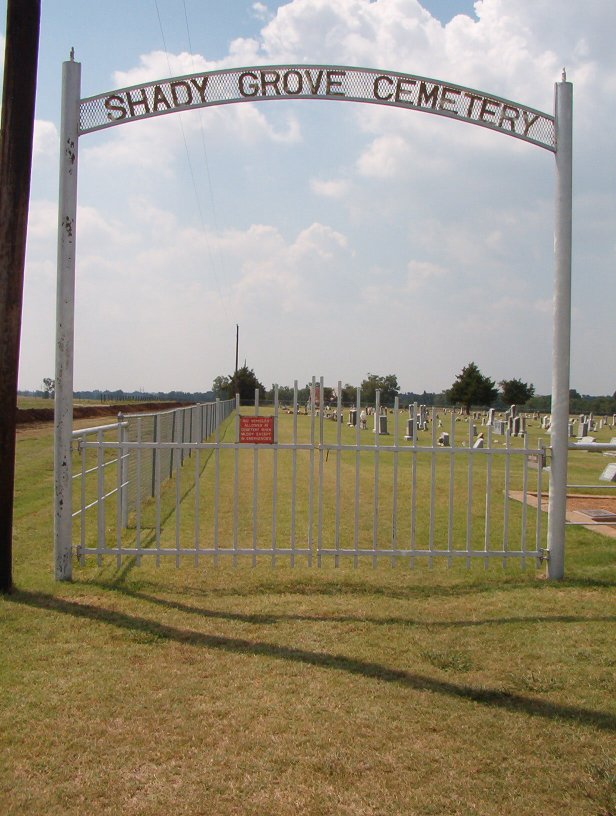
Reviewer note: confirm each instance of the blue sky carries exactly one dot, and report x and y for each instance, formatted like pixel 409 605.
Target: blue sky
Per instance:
pixel 344 239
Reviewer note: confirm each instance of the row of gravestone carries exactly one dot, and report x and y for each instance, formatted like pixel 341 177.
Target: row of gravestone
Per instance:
pixel 513 423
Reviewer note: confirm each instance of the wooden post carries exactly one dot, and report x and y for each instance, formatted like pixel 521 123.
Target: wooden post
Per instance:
pixel 18 96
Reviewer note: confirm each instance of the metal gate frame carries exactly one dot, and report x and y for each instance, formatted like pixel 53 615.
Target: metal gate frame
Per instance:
pixel 393 533
pixel 335 83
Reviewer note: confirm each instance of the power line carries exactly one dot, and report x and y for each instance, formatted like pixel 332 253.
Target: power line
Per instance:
pixel 205 161
pixel 189 162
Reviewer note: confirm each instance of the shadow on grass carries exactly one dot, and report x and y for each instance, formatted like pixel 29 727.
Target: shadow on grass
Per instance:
pixel 417 682
pixel 261 619
pixel 304 581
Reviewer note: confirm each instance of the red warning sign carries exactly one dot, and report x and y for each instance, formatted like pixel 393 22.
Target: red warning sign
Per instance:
pixel 257 430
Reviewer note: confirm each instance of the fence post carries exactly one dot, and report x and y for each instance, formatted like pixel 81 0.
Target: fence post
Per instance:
pixel 561 342
pixel 65 318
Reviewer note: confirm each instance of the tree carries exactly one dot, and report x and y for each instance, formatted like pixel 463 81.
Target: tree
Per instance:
pixel 516 392
pixel 245 383
pixel 541 403
pixel 349 394
pixel 50 388
pixel 285 393
pixel 220 387
pixel 388 386
pixel 472 388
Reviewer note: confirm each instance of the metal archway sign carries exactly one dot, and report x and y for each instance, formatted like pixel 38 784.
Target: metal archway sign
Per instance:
pixel 320 82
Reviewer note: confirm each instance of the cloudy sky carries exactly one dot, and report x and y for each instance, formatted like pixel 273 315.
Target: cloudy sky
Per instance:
pixel 343 239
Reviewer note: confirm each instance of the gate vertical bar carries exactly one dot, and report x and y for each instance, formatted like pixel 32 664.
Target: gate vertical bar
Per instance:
pixel 432 481
pixel 358 410
pixel 375 511
pixel 65 318
pixel 311 475
pixel 524 500
pixel 488 505
pixel 469 492
pixel 414 483
pixel 124 469
pixel 138 493
pixel 294 473
pixel 82 514
pixel 538 519
pixel 217 424
pixel 320 476
pixel 394 509
pixel 255 488
pixel 338 454
pixel 275 477
pixel 452 465
pixel 236 476
pixel 561 340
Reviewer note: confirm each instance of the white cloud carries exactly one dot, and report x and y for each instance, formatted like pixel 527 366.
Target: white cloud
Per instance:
pixel 421 272
pixel 370 229
pixel 45 139
pixel 331 188
pixel 159 65
pixel 261 11
pixel 42 221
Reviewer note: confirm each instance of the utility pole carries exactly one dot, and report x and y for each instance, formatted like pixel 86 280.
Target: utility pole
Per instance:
pixel 23 19
pixel 237 343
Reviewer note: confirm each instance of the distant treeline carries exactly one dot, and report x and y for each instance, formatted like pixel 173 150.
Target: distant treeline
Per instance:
pixel 131 396
pixel 579 403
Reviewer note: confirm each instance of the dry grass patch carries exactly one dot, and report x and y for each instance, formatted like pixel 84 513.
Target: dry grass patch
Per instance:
pixel 276 691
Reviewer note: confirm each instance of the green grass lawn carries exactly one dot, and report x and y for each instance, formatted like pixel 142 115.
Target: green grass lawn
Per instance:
pixel 240 690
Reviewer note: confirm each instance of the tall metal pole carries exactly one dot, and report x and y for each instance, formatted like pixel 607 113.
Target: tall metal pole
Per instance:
pixel 65 317
pixel 237 343
pixel 18 97
pixel 561 341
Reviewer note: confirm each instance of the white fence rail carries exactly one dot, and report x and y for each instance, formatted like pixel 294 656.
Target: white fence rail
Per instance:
pixel 115 481
pixel 600 518
pixel 324 488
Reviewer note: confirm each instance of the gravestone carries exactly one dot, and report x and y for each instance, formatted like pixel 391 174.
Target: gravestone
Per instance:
pixel 380 424
pixel 609 474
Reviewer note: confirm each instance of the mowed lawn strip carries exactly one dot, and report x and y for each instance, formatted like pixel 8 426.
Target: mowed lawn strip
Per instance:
pixel 257 690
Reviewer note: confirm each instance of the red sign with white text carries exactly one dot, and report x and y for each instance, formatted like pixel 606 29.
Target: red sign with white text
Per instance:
pixel 257 430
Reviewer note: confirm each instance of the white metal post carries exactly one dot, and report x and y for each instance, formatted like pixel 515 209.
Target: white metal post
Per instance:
pixel 65 317
pixel 123 455
pixel 561 341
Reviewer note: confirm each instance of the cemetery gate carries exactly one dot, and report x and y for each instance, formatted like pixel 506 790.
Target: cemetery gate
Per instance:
pixel 334 83
pixel 310 483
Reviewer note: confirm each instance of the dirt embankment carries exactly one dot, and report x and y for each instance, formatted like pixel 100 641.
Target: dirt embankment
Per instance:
pixel 29 416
